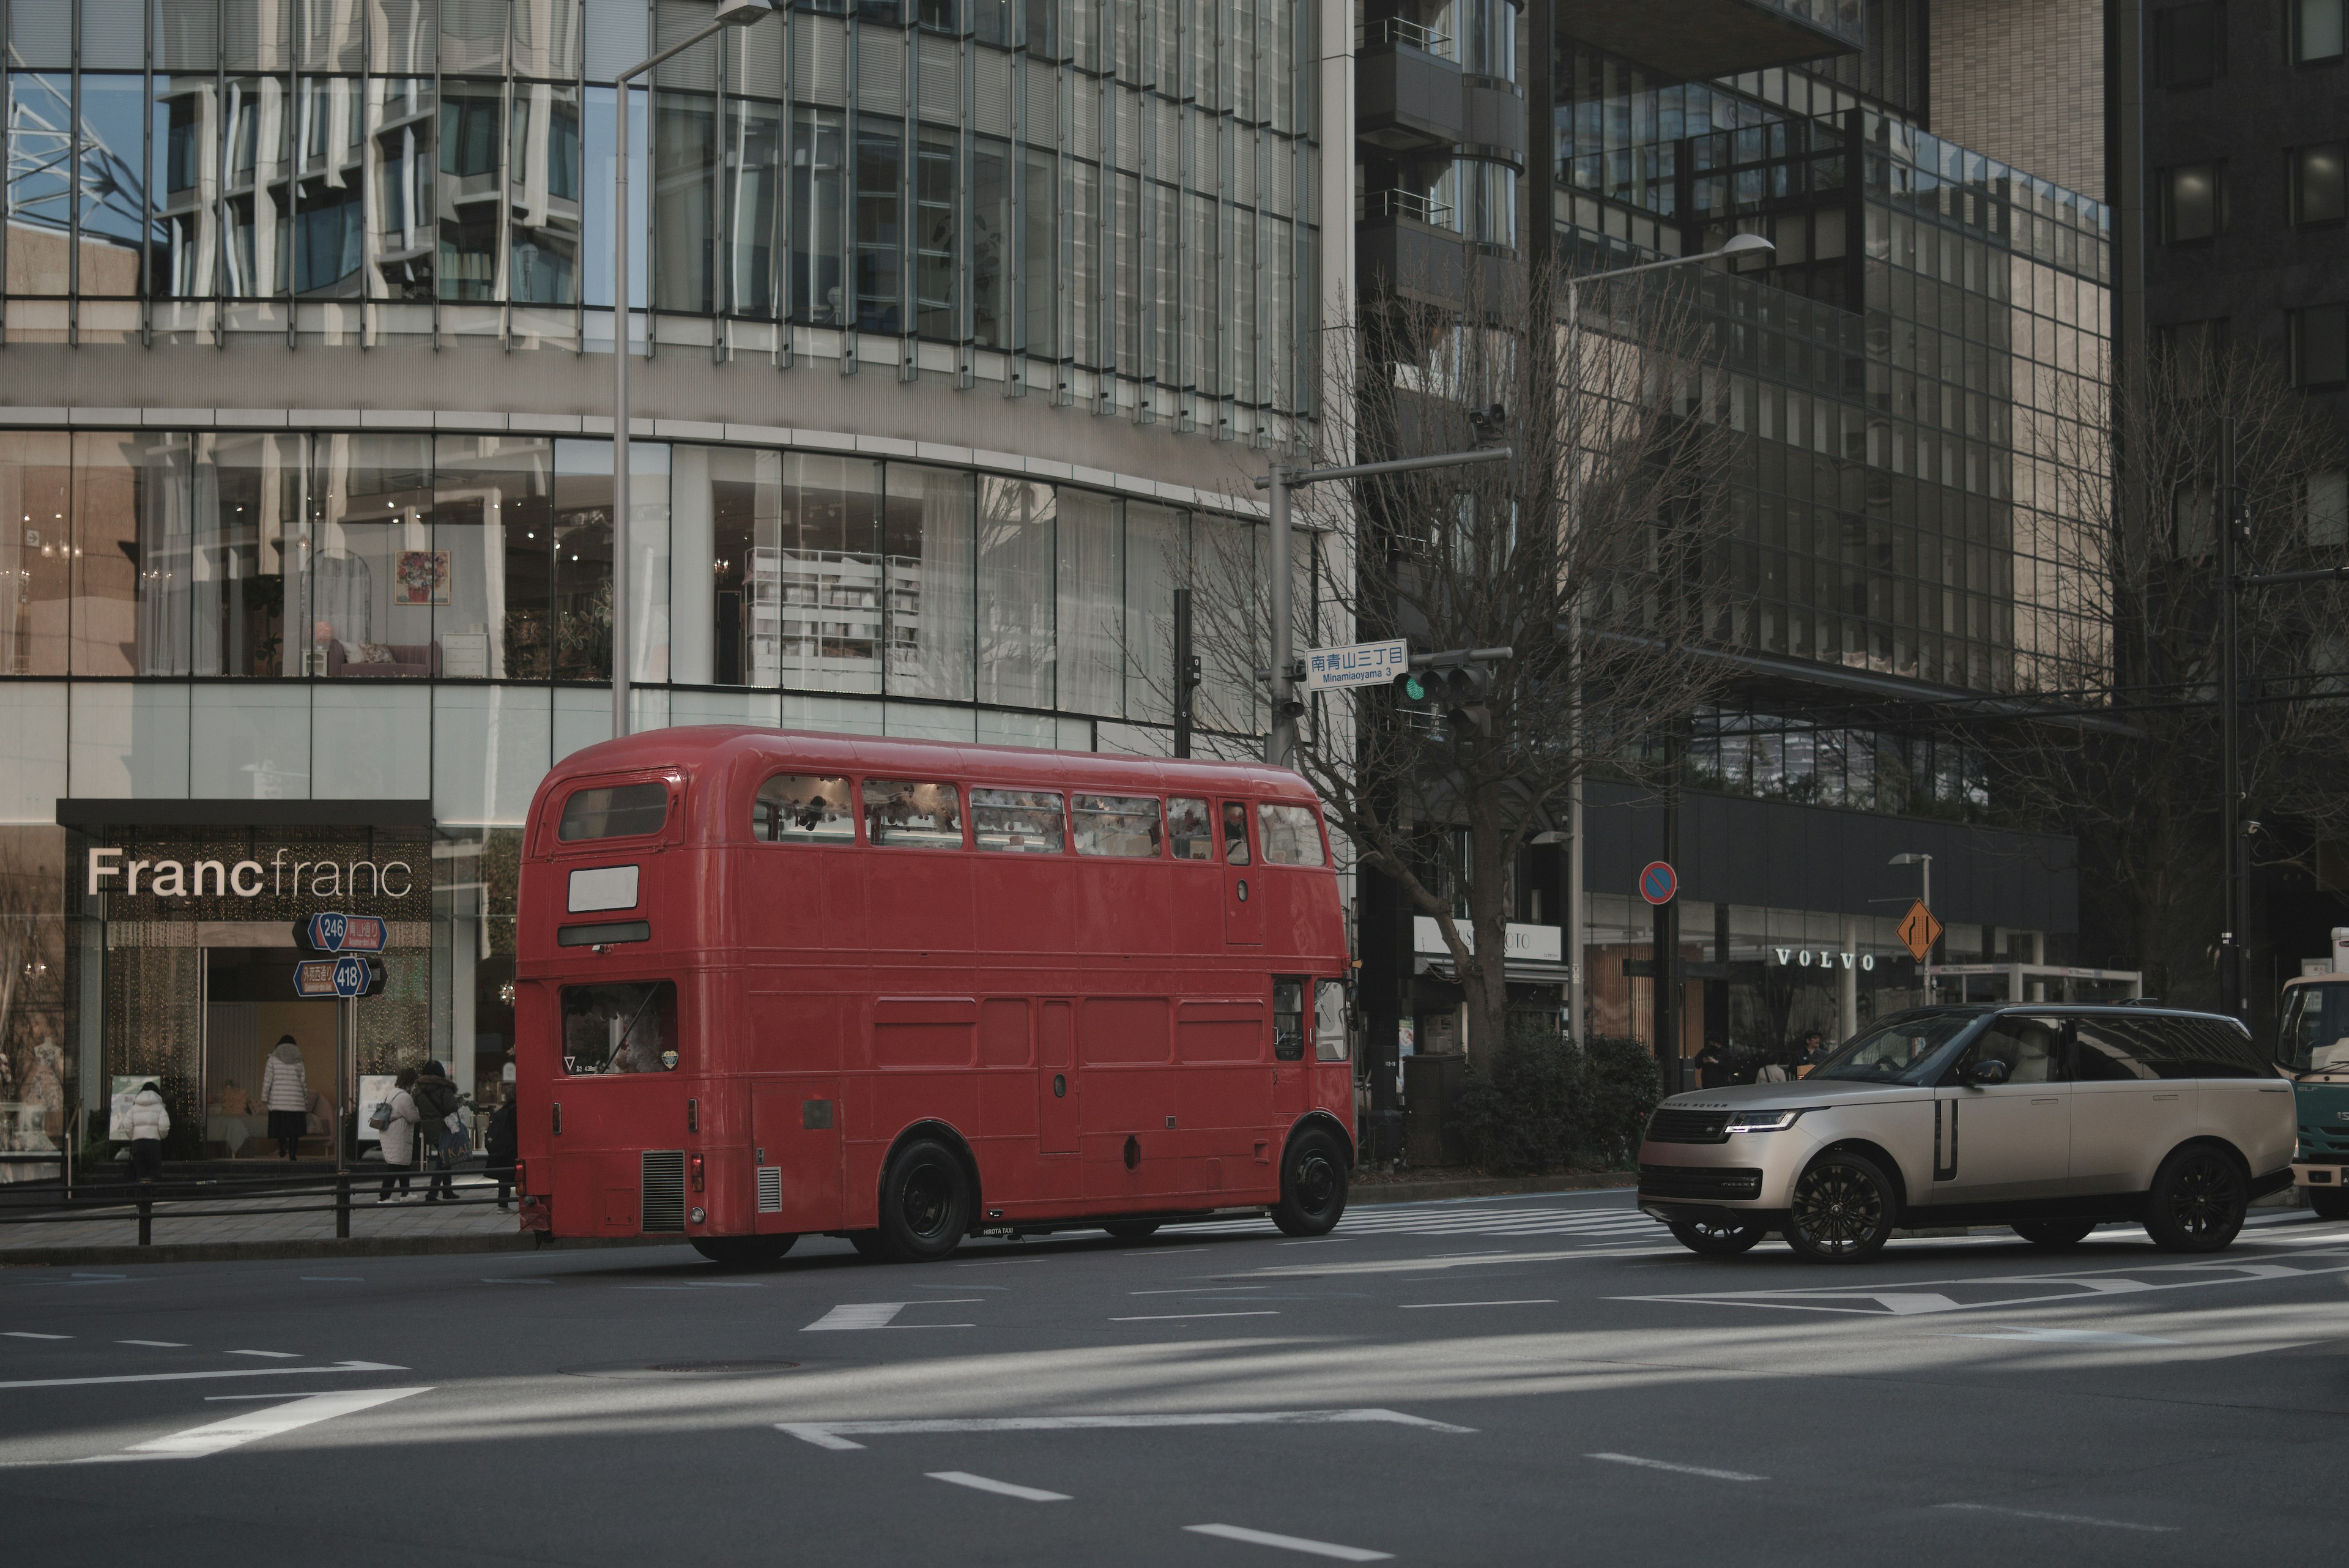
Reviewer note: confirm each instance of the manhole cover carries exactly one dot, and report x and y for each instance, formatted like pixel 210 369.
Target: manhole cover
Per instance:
pixel 671 1370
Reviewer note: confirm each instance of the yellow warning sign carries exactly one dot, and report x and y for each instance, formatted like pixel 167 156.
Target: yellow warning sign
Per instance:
pixel 1919 931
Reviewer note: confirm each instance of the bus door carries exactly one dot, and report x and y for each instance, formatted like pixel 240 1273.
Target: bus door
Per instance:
pixel 795 1126
pixel 1056 1087
pixel 1243 889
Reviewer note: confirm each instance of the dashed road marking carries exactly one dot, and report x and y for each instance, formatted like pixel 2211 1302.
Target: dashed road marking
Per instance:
pixel 154 1344
pixel 28 1334
pixel 194 1376
pixel 1706 1471
pixel 851 1316
pixel 2060 1518
pixel 1187 1316
pixel 2067 1336
pixel 1529 1301
pixel 278 1355
pixel 838 1434
pixel 1002 1489
pixel 1291 1542
pixel 491 1281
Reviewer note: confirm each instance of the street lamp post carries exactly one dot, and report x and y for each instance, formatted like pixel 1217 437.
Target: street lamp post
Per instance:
pixel 1280 741
pixel 1667 915
pixel 730 13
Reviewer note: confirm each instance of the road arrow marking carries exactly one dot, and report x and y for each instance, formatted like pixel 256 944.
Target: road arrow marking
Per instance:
pixel 836 1434
pixel 252 1427
pixel 1676 1469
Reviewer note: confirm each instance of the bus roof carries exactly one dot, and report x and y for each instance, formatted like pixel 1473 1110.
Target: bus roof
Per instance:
pixel 715 749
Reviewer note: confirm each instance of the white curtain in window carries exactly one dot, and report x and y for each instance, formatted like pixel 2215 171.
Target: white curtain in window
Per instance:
pixel 1093 625
pixel 1155 568
pixel 1015 593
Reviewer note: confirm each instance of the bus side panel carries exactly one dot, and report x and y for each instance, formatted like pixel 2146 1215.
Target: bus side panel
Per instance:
pixel 795 1126
pixel 1025 903
pixel 1196 899
pixel 1123 908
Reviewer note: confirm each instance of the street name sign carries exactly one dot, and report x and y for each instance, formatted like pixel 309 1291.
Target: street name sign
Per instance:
pixel 1356 664
pixel 1919 931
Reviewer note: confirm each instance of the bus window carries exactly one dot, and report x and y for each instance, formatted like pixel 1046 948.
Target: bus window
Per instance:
pixel 1290 835
pixel 1329 1020
pixel 619 1028
pixel 621 811
pixel 1120 825
pixel 1186 826
pixel 1022 821
pixel 1236 849
pixel 1287 1020
pixel 800 808
pixel 902 814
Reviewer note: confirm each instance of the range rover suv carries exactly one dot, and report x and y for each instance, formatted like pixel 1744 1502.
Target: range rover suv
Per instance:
pixel 2048 1118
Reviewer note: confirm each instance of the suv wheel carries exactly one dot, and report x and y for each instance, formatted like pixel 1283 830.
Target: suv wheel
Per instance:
pixel 1716 1239
pixel 2197 1201
pixel 2053 1232
pixel 1843 1210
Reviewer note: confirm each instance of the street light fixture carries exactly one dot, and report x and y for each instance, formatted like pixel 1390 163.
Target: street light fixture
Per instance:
pixel 730 13
pixel 1578 982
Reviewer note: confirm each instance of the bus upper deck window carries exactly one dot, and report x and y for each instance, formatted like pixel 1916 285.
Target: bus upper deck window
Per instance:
pixel 1236 848
pixel 1021 821
pixel 800 808
pixel 908 813
pixel 1191 829
pixel 1118 825
pixel 618 811
pixel 1290 835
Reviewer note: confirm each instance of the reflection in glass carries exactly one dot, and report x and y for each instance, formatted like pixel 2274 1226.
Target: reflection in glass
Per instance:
pixel 1015 821
pixel 1117 824
pixel 544 193
pixel 927 549
pixel 36 551
pixel 330 221
pixel 488 582
pixel 1155 568
pixel 1015 593
pixel 684 160
pixel 113 212
pixel 133 567
pixel 753 146
pixel 371 502
pixel 471 198
pixel 800 808
pixel 595 242
pixel 991 243
pixel 249 549
pixel 903 814
pixel 934 242
pixel 400 238
pixel 880 150
pixel 187 152
pixel 40 176
pixel 1039 263
pixel 819 215
pixel 256 192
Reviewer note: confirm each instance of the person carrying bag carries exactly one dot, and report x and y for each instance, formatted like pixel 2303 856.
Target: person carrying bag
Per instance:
pixel 397 1120
pixel 442 1124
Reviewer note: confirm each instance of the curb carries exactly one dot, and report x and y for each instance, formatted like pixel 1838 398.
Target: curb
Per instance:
pixel 1484 1187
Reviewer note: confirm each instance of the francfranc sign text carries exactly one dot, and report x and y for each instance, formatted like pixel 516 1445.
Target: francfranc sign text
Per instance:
pixel 245 878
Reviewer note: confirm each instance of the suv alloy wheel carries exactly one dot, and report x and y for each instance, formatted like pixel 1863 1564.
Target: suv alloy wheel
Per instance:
pixel 2197 1201
pixel 1843 1210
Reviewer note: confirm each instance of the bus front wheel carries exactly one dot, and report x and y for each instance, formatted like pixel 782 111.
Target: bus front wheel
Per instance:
pixel 1312 1186
pixel 924 1204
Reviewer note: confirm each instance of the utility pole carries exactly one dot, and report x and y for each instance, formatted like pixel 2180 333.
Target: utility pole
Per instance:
pixel 2230 832
pixel 1186 672
pixel 1667 951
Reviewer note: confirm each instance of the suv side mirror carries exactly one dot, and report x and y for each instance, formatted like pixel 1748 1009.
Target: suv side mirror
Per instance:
pixel 1988 1070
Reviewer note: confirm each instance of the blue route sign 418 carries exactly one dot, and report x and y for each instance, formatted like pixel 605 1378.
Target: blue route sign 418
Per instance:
pixel 346 976
pixel 1658 883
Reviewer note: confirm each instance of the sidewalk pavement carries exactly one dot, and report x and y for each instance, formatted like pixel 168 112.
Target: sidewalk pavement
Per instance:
pixel 110 1235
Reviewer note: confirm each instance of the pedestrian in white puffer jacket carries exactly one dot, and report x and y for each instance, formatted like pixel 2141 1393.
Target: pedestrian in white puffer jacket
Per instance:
pixel 149 1124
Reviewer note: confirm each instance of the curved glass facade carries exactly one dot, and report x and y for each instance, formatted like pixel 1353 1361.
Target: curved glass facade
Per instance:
pixel 1110 200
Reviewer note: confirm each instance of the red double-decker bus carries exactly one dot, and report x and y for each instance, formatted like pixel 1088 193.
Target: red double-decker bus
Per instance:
pixel 773 985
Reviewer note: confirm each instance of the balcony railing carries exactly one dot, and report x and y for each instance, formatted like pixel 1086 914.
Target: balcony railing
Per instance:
pixel 1402 30
pixel 1416 205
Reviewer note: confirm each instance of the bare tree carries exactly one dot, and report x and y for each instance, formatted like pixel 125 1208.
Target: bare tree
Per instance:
pixel 2118 621
pixel 1491 556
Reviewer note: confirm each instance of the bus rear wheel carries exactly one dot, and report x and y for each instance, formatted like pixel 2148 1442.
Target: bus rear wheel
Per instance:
pixel 1312 1186
pixel 743 1251
pixel 924 1204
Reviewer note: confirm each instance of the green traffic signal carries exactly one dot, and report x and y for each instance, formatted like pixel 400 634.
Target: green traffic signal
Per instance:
pixel 1414 688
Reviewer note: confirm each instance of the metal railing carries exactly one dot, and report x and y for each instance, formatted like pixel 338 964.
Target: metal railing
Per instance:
pixel 1418 35
pixel 119 1198
pixel 1416 205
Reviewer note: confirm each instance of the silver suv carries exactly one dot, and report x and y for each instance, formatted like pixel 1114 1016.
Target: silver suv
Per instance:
pixel 2050 1119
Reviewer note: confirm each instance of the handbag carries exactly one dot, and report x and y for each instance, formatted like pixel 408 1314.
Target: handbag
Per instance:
pixel 380 1117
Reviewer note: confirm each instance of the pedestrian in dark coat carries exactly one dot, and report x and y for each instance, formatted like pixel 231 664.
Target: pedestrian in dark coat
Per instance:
pixel 504 1147
pixel 436 1102
pixel 285 1091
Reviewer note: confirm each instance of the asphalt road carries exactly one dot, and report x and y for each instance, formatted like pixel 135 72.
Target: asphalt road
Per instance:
pixel 1542 1380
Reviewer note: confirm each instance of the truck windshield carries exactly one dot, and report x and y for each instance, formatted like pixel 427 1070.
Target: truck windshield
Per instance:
pixel 1897 1051
pixel 2315 1036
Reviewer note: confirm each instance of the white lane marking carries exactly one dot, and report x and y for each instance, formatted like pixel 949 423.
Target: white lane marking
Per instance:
pixel 155 1344
pixel 2060 1518
pixel 1184 1316
pixel 1200 1290
pixel 1002 1489
pixel 495 1281
pixel 836 1434
pixel 1676 1469
pixel 192 1376
pixel 2058 1288
pixel 879 1315
pixel 1291 1542
pixel 276 1354
pixel 2067 1336
pixel 333 1280
pixel 28 1334
pixel 1529 1301
pixel 238 1430
pixel 1000 1262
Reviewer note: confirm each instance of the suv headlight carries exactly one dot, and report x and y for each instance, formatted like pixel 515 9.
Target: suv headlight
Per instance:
pixel 1762 1121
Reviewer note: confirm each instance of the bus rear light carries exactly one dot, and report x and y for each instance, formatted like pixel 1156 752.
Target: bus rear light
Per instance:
pixel 697 1173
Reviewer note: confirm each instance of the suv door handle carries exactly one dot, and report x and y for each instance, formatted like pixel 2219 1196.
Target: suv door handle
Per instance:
pixel 2048 1100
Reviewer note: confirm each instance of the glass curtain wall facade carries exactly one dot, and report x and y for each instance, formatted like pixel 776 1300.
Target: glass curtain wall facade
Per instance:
pixel 1920 373
pixel 1108 203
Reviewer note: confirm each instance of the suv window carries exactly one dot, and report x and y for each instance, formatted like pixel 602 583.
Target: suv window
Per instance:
pixel 1900 1050
pixel 2163 1047
pixel 2032 1048
pixel 2114 1050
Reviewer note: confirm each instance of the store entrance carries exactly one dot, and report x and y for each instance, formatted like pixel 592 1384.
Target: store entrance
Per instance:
pixel 250 1006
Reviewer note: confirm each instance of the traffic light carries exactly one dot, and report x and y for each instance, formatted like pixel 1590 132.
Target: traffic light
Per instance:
pixel 1467 694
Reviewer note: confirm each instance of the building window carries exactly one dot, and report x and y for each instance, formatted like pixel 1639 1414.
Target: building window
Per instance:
pixel 2319 345
pixel 2316 183
pixel 2315 32
pixel 2327 510
pixel 2187 341
pixel 2190 45
pixel 2193 203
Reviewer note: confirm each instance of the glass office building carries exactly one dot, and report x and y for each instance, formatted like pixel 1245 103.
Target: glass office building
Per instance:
pixel 963 327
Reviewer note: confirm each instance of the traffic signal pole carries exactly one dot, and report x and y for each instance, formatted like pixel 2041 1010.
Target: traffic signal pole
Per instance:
pixel 1280 741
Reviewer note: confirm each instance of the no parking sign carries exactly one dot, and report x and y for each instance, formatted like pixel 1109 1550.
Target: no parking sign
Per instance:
pixel 1658 883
